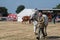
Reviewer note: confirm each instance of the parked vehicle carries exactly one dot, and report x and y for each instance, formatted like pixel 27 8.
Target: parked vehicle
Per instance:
pixel 58 18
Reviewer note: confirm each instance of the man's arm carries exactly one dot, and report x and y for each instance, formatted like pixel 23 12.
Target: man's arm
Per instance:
pixel 42 20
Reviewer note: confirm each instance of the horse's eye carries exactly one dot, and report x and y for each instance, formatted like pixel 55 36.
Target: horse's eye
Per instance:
pixel 35 14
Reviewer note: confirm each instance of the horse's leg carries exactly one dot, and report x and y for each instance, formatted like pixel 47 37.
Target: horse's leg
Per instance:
pixel 22 21
pixel 36 30
pixel 45 29
pixel 25 22
pixel 29 21
pixel 39 36
pixel 35 27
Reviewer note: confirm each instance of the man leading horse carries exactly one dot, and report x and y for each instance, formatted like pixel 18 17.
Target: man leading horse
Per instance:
pixel 43 24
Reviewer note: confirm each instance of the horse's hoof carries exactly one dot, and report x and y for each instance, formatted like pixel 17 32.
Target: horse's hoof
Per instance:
pixel 37 37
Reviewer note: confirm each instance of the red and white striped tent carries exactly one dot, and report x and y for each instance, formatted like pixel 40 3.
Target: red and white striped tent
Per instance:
pixel 12 17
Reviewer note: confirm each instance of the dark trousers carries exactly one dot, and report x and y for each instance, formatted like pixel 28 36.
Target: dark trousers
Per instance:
pixel 42 30
pixel 54 20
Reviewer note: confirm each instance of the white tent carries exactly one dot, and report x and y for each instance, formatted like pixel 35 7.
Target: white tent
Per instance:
pixel 25 12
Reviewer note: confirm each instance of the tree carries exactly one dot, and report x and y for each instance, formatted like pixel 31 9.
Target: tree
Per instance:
pixel 20 8
pixel 3 11
pixel 57 7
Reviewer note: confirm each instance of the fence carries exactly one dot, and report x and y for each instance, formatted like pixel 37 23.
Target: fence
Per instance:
pixel 7 19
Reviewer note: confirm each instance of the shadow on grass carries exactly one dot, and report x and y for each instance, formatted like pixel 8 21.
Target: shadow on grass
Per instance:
pixel 53 38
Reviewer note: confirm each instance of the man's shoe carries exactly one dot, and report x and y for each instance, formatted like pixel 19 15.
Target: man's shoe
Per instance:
pixel 46 34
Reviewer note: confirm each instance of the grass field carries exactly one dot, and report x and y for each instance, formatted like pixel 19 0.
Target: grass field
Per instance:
pixel 19 31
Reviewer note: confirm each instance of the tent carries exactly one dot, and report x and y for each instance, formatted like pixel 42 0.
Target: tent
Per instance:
pixel 25 12
pixel 12 17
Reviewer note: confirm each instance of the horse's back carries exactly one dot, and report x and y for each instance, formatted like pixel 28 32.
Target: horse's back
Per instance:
pixel 45 19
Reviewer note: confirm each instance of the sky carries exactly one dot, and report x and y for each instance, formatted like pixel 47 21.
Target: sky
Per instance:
pixel 12 5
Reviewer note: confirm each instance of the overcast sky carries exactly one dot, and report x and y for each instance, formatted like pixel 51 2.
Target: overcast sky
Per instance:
pixel 11 5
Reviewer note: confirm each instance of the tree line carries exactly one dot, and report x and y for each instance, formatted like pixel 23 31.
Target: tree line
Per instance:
pixel 4 10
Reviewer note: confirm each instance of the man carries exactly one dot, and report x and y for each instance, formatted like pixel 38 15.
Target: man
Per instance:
pixel 54 17
pixel 34 17
pixel 40 23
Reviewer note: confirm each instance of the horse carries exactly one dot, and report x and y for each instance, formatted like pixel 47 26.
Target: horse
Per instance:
pixel 26 19
pixel 34 20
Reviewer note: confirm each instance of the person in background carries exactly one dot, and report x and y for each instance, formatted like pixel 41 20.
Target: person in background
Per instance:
pixel 54 17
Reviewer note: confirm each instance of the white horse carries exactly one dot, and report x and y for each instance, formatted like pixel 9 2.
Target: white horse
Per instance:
pixel 45 22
